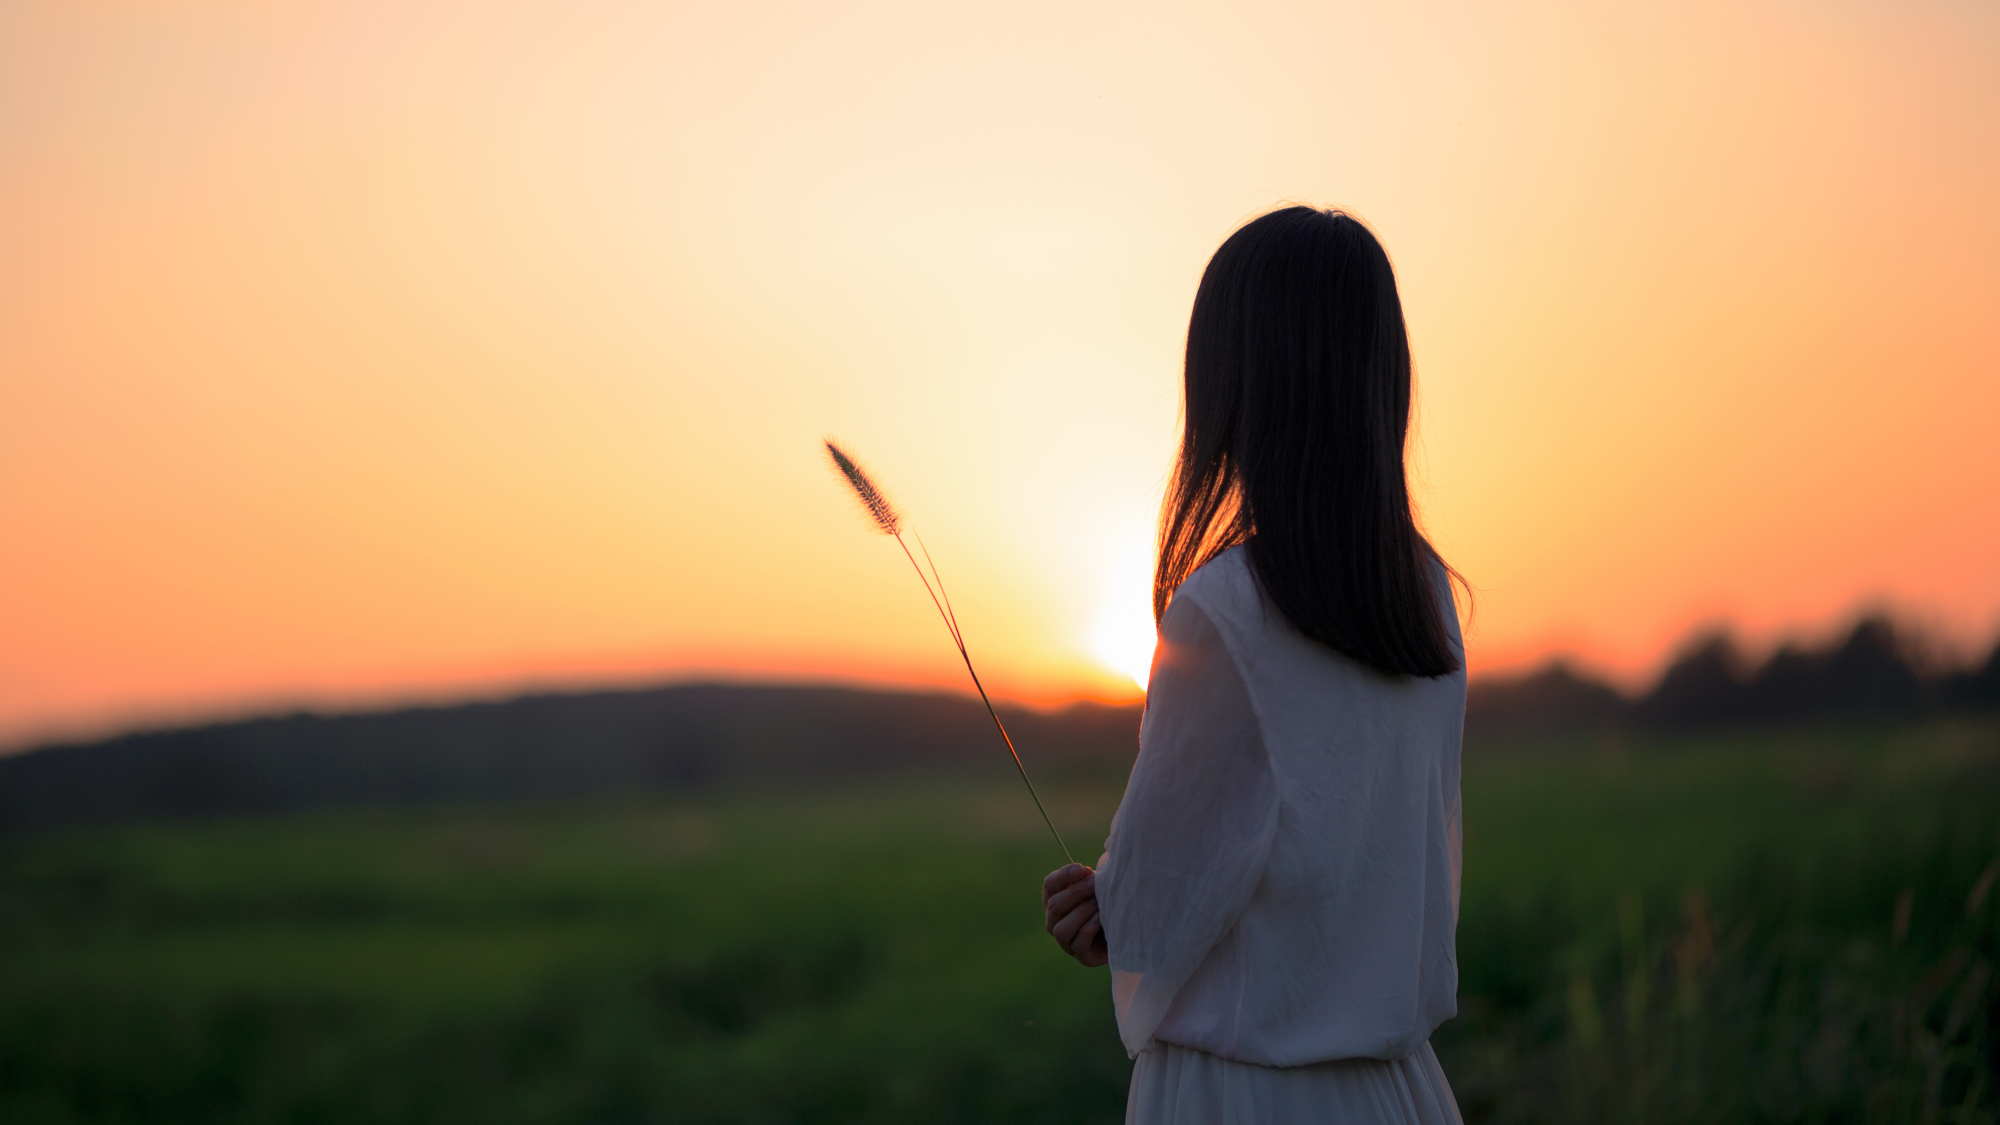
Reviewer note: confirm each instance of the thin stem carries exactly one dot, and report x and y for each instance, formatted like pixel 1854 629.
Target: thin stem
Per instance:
pixel 951 623
pixel 950 613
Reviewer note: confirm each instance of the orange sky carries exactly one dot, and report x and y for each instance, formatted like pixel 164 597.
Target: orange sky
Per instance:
pixel 369 351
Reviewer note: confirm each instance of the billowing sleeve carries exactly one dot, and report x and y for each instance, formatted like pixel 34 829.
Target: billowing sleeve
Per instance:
pixel 1190 840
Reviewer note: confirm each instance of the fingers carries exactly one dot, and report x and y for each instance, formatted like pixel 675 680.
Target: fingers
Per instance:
pixel 1069 908
pixel 1088 943
pixel 1085 934
pixel 1062 877
pixel 1066 928
pixel 1062 925
pixel 1069 898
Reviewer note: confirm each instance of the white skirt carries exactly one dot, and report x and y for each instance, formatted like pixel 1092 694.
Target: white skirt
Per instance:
pixel 1174 1085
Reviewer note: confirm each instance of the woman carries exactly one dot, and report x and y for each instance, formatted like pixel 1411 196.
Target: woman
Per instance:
pixel 1278 895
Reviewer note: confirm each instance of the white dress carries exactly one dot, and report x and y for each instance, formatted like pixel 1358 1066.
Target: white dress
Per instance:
pixel 1280 888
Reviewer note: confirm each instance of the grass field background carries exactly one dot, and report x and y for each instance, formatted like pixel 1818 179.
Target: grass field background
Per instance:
pixel 1782 926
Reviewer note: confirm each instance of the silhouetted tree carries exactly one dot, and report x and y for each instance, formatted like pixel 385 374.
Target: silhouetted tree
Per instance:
pixel 1703 687
pixel 1973 688
pixel 1866 674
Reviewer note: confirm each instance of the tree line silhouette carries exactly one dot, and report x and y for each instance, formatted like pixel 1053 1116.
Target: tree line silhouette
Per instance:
pixel 1877 670
pixel 707 736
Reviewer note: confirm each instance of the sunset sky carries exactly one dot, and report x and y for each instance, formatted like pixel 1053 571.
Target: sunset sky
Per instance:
pixel 364 352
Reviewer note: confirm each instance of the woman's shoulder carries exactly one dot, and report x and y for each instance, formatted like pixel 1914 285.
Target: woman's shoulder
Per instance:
pixel 1229 602
pixel 1222 585
pixel 1227 592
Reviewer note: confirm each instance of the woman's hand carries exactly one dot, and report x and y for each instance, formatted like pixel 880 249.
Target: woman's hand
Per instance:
pixel 1069 907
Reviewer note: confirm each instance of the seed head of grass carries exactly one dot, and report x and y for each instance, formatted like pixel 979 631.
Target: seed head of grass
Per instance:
pixel 877 505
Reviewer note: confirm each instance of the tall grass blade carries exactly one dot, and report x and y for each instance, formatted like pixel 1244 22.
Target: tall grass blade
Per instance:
pixel 890 522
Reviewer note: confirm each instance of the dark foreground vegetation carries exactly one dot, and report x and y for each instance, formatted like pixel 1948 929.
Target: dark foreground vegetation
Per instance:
pixel 1784 924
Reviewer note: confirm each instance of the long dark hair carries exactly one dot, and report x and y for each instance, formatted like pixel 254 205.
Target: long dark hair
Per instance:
pixel 1297 411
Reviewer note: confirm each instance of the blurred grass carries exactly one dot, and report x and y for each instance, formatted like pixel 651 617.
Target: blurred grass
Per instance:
pixel 1700 930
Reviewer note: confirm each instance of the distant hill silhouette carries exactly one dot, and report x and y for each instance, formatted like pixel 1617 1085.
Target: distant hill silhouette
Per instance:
pixel 1555 697
pixel 704 736
pixel 546 747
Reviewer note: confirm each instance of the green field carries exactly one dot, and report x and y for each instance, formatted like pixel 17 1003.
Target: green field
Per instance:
pixel 1781 927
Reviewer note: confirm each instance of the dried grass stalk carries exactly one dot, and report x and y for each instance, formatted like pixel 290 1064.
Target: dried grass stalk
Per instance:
pixel 889 522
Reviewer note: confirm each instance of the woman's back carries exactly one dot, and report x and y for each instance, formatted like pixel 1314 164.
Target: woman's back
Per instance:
pixel 1280 885
pixel 1279 894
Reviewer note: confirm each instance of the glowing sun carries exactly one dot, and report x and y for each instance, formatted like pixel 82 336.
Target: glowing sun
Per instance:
pixel 1124 636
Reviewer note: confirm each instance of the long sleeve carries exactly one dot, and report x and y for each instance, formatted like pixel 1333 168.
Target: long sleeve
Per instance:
pixel 1281 882
pixel 1189 844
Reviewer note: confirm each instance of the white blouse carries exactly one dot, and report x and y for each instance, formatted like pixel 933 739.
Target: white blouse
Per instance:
pixel 1280 885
